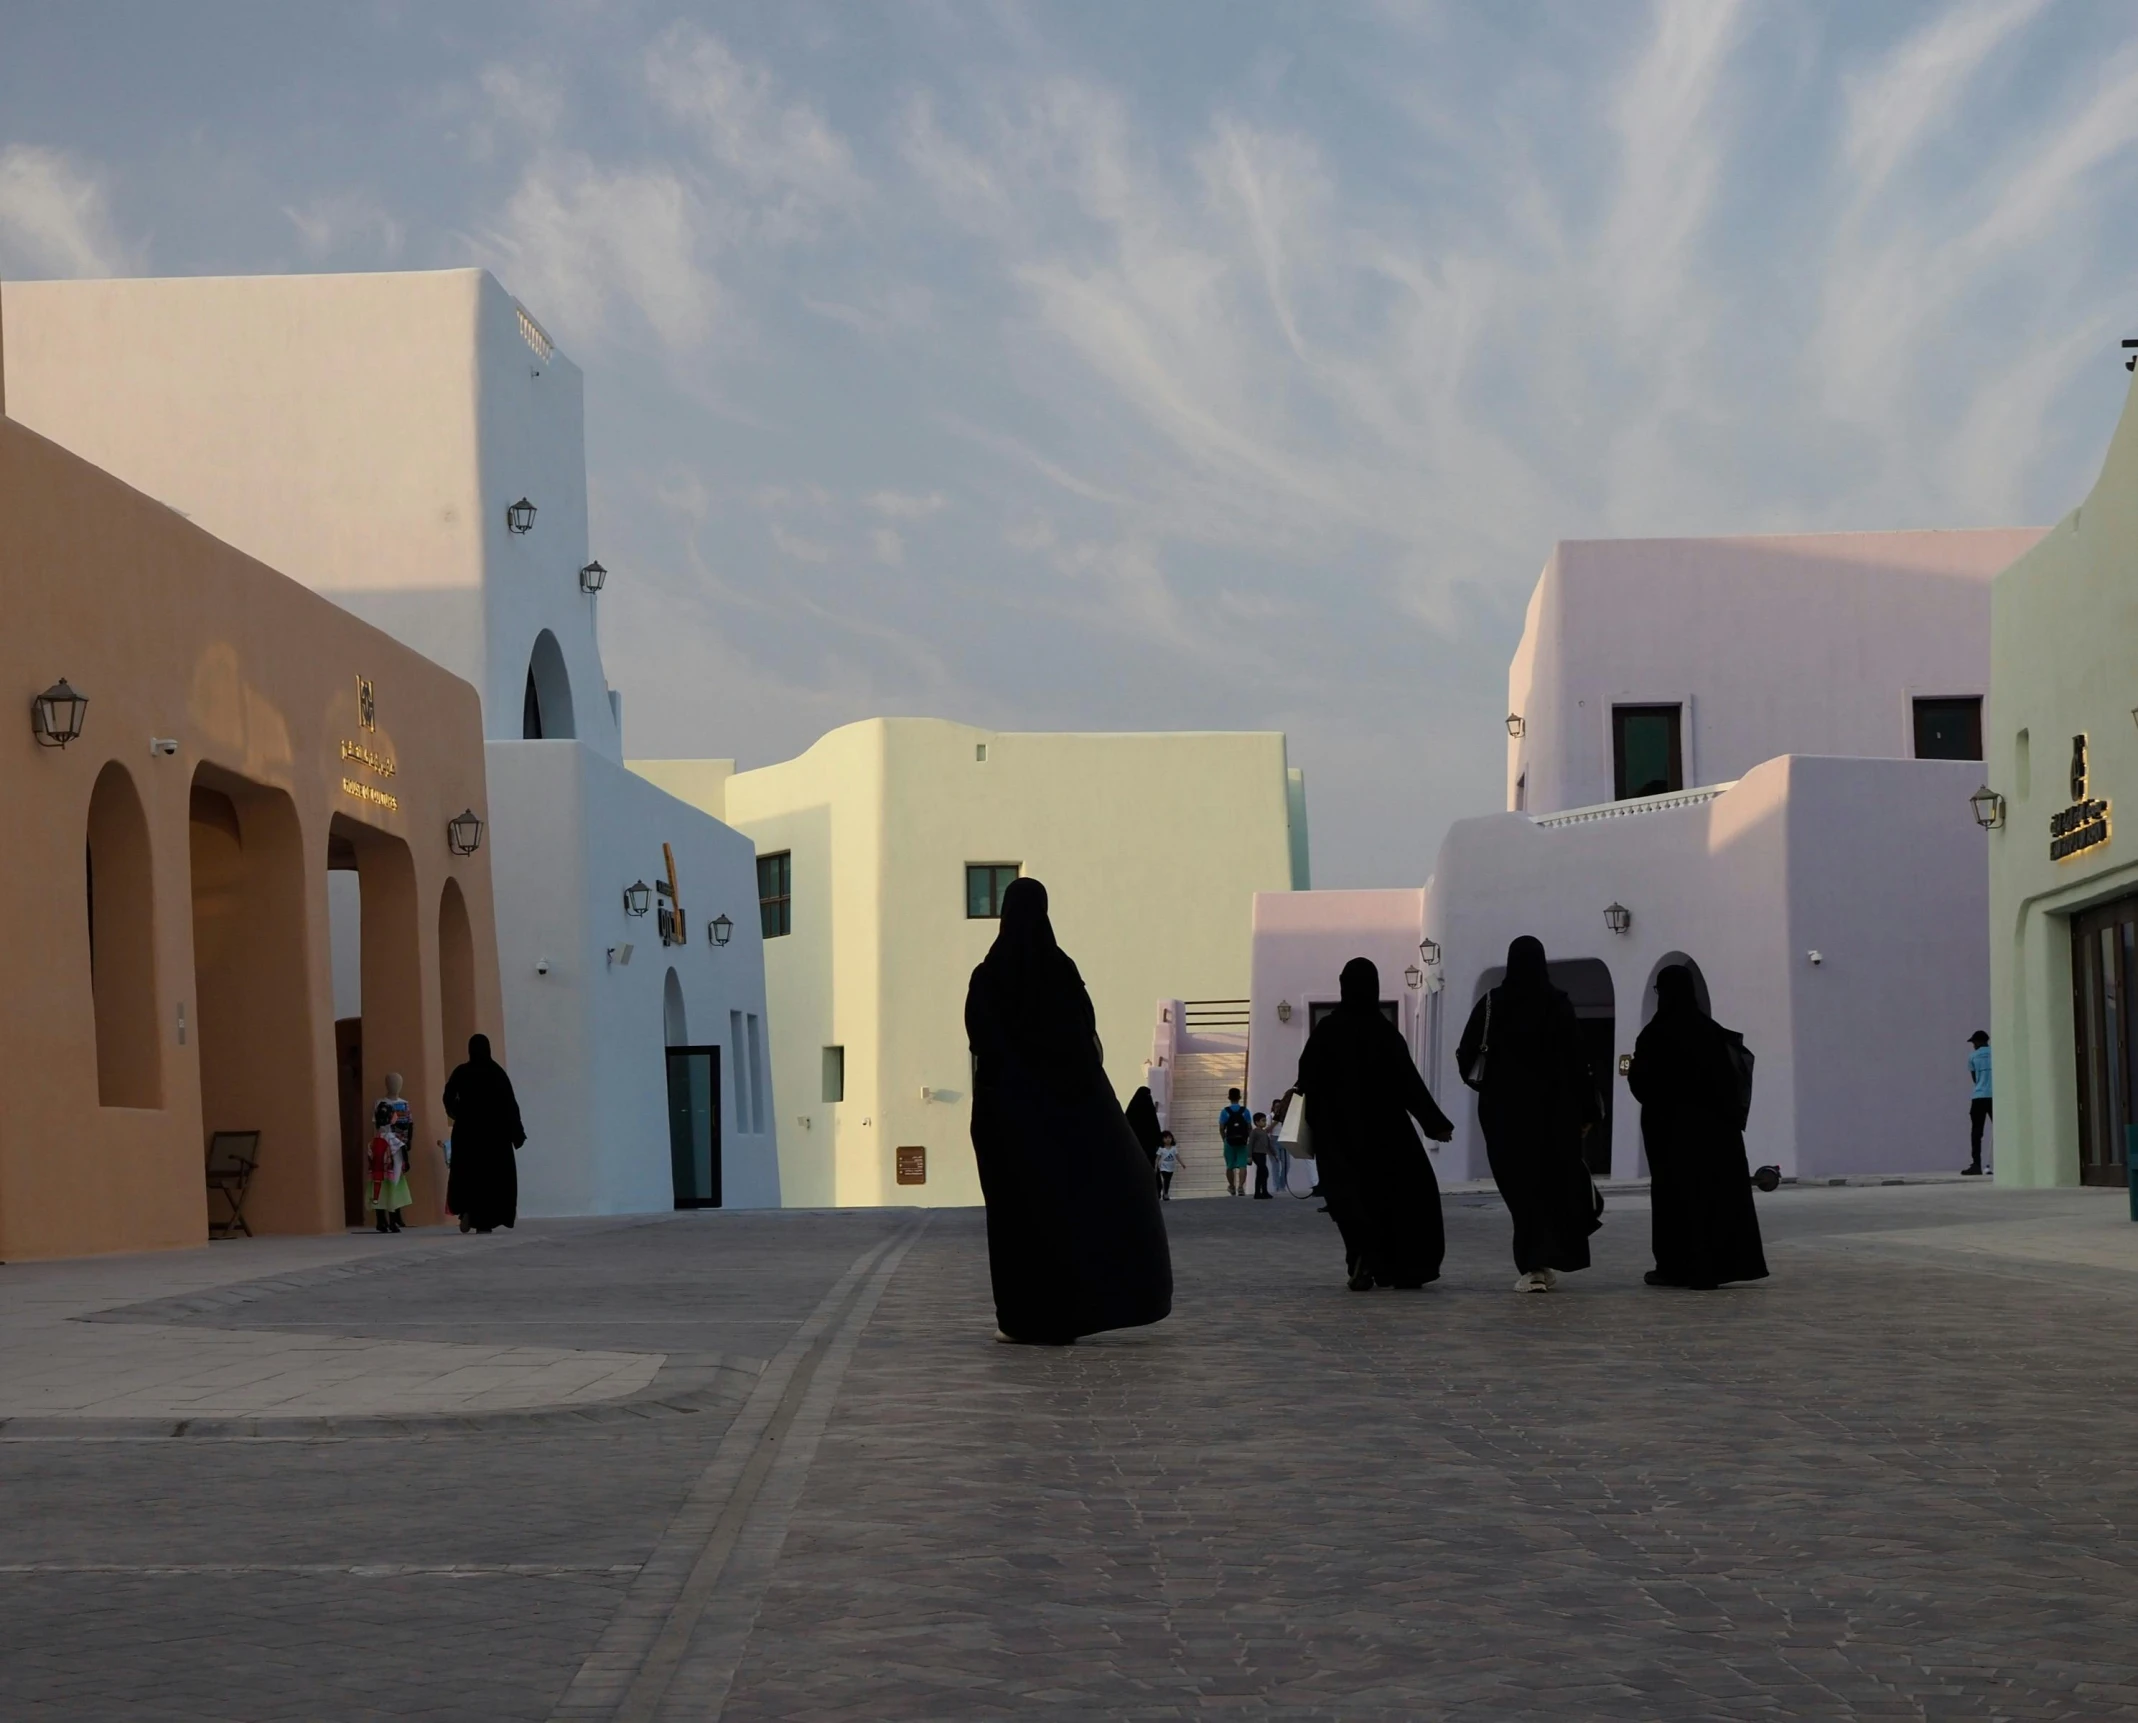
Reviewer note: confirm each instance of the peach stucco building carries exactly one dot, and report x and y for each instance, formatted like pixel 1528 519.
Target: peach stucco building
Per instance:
pixel 166 917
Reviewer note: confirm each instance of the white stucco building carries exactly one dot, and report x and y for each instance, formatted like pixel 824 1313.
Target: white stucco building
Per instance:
pixel 2063 758
pixel 371 435
pixel 882 853
pixel 1742 752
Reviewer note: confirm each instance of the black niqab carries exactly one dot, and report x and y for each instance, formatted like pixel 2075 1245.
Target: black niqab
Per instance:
pixel 1142 1114
pixel 483 1187
pixel 1705 1227
pixel 1075 1240
pixel 1362 1091
pixel 1521 1051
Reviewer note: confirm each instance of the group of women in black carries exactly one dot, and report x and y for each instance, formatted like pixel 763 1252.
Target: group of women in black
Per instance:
pixel 1076 1243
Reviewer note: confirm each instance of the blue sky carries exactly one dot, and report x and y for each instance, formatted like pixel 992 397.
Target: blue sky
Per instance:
pixel 1165 365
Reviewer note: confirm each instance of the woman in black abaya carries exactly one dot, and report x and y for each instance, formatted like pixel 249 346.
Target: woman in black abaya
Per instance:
pixel 483 1187
pixel 1522 1053
pixel 1686 1080
pixel 1142 1112
pixel 1362 1090
pixel 1075 1241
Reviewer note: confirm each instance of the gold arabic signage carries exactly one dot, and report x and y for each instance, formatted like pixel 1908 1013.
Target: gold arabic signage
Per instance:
pixel 2082 826
pixel 360 754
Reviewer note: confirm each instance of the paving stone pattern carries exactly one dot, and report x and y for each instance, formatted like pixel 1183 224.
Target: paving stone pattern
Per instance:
pixel 1894 1481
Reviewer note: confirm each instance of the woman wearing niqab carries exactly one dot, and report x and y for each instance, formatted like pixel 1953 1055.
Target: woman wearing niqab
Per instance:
pixel 1362 1091
pixel 1142 1111
pixel 483 1187
pixel 1075 1240
pixel 1535 1096
pixel 1706 1230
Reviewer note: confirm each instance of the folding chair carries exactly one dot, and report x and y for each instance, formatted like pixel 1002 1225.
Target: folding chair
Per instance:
pixel 232 1156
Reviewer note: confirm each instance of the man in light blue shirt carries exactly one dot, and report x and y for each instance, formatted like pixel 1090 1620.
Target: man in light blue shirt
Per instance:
pixel 1978 1108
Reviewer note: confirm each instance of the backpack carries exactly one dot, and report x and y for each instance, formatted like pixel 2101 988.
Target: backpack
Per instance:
pixel 1235 1125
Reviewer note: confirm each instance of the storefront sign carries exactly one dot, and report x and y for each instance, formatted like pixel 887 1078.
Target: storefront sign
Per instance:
pixel 358 754
pixel 366 793
pixel 912 1166
pixel 2082 826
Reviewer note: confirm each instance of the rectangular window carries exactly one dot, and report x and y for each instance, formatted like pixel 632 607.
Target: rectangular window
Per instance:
pixel 775 893
pixel 1646 758
pixel 743 1074
pixel 1949 729
pixel 985 882
pixel 757 1075
pixel 835 1073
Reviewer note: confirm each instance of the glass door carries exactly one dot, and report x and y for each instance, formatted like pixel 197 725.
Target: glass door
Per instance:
pixel 2104 966
pixel 694 1125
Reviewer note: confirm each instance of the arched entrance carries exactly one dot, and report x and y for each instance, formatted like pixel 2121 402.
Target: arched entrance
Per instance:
pixel 456 976
pixel 546 707
pixel 252 1003
pixel 693 1105
pixel 120 882
pixel 1586 981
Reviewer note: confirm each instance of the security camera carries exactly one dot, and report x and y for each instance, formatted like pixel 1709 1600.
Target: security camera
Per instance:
pixel 541 966
pixel 1815 957
pixel 163 746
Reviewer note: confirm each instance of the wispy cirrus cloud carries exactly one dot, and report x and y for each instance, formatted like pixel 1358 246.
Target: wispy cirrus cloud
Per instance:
pixel 55 216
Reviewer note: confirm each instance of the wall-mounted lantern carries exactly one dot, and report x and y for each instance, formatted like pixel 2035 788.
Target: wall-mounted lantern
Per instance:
pixel 1988 808
pixel 56 715
pixel 722 930
pixel 1284 1011
pixel 1515 726
pixel 1429 952
pixel 593 578
pixel 464 833
pixel 1617 917
pixel 638 898
pixel 520 516
pixel 2131 364
pixel 1413 978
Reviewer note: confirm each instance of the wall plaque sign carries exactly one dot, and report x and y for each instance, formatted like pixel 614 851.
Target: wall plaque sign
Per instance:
pixel 2083 825
pixel 912 1165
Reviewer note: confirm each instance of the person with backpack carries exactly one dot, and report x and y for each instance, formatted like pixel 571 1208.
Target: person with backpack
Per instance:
pixel 1234 1126
pixel 1693 1079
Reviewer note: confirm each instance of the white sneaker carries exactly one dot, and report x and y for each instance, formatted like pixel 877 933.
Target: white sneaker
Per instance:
pixel 1529 1283
pixel 1546 1279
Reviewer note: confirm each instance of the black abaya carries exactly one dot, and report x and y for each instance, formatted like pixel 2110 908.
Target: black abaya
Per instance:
pixel 483 1187
pixel 1706 1230
pixel 1534 1098
pixel 1362 1091
pixel 1142 1114
pixel 1075 1240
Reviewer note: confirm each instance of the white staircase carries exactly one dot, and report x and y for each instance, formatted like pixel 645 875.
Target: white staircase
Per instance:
pixel 1199 1084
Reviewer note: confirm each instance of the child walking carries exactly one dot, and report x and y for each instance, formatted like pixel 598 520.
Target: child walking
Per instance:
pixel 393 1128
pixel 1169 1163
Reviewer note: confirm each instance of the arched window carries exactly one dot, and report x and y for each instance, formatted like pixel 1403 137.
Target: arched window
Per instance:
pixel 122 944
pixel 673 1021
pixel 546 707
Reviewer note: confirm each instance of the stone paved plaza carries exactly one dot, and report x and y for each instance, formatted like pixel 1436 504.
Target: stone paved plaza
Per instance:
pixel 773 1466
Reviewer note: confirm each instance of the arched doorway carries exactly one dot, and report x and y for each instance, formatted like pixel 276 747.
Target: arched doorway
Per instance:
pixel 120 884
pixel 693 1105
pixel 546 707
pixel 252 1001
pixel 378 1020
pixel 1586 981
pixel 456 976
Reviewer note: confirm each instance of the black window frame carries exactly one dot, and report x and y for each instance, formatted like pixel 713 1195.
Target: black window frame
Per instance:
pixel 1621 790
pixel 1929 705
pixel 775 908
pixel 999 878
pixel 834 1073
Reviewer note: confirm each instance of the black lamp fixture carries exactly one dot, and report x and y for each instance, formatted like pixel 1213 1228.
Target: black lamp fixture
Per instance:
pixel 722 930
pixel 1617 917
pixel 1429 952
pixel 593 578
pixel 638 898
pixel 56 715
pixel 2131 364
pixel 520 516
pixel 1515 726
pixel 1413 977
pixel 464 833
pixel 1988 808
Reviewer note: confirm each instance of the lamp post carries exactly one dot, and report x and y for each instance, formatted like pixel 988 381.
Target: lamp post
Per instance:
pixel 722 930
pixel 519 518
pixel 1988 807
pixel 593 578
pixel 638 898
pixel 464 833
pixel 1617 917
pixel 56 715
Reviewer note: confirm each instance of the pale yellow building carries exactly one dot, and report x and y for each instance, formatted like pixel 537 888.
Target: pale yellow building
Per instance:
pixel 882 852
